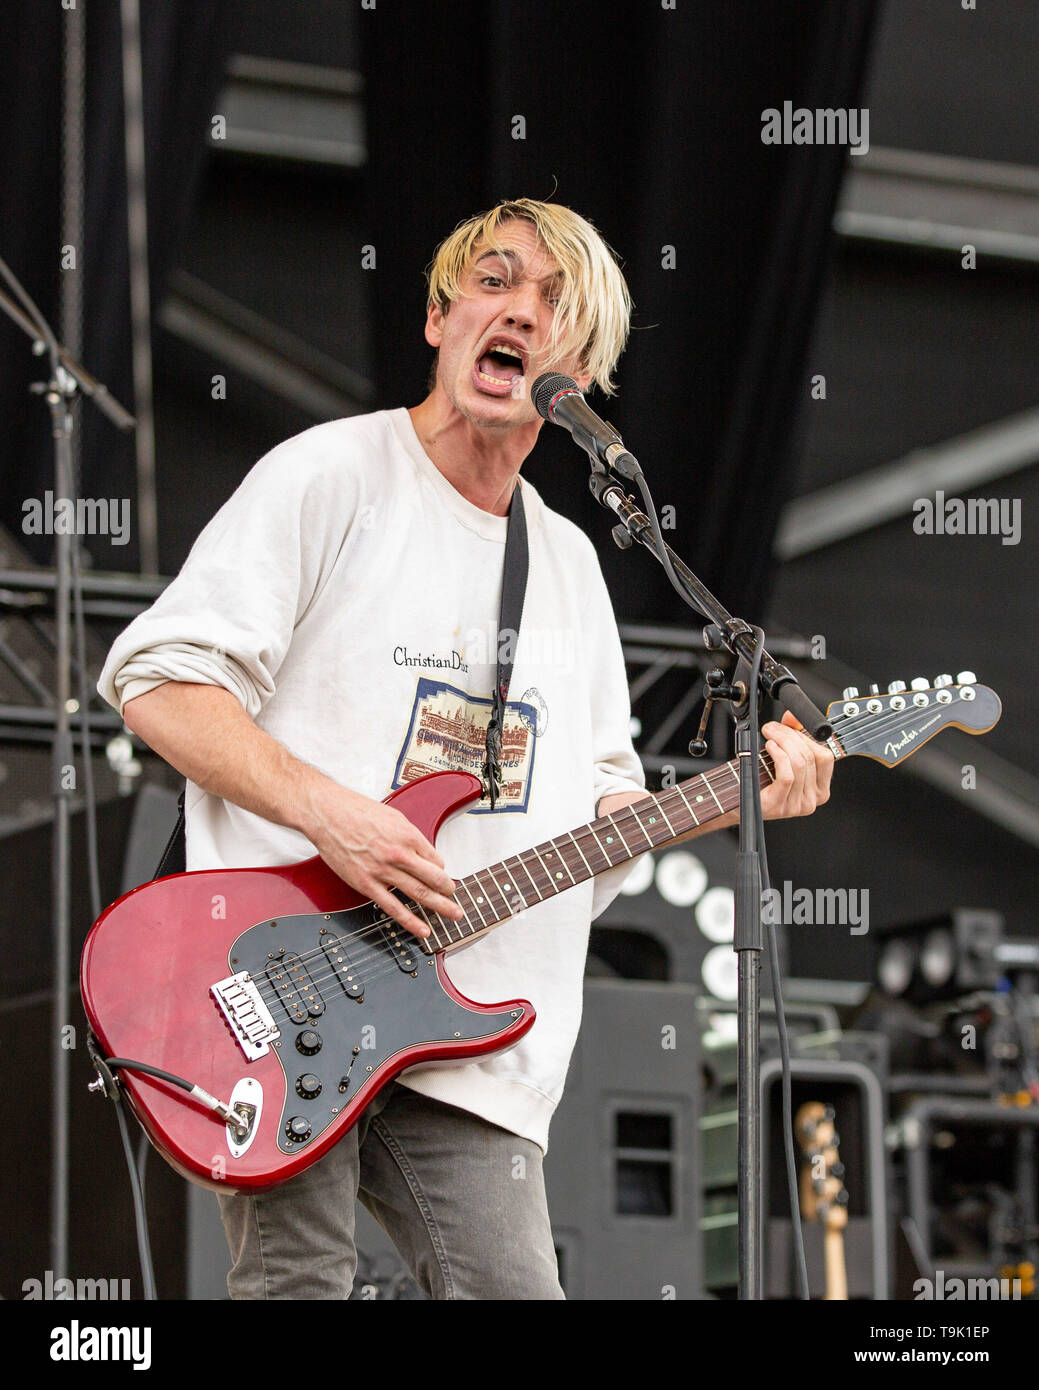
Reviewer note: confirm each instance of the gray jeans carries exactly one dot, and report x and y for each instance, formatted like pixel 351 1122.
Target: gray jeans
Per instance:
pixel 462 1200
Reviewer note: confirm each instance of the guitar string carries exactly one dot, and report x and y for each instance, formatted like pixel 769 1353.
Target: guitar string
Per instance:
pixel 271 994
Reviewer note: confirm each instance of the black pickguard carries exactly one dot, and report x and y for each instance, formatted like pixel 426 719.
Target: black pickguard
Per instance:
pixel 366 994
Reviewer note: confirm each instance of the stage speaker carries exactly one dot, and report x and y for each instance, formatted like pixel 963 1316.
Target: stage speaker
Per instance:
pixel 621 1169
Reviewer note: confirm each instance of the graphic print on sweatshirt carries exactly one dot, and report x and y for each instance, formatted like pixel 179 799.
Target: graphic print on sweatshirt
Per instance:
pixel 448 733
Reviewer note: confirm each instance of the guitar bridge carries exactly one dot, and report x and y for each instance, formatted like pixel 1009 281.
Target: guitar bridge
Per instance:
pixel 247 1015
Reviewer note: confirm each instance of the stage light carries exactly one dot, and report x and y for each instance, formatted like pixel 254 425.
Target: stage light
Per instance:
pixel 681 878
pixel 895 967
pixel 715 914
pixel 938 957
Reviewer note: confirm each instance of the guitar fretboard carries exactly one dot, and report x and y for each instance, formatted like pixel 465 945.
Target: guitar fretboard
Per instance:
pixel 500 891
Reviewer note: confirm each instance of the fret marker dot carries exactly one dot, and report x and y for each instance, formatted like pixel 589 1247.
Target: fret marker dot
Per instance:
pixel 559 875
pixel 609 839
pixel 699 798
pixel 652 820
pixel 479 900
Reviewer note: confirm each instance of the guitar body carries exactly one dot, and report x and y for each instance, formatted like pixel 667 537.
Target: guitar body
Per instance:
pixel 353 1001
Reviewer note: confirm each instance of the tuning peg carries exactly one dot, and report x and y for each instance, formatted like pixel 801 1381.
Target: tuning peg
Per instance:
pixel 966 678
pixel 940 681
pixel 920 683
pixel 896 687
pixel 874 690
pixel 851 693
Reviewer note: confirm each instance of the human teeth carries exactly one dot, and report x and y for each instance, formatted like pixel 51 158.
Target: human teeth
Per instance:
pixel 505 348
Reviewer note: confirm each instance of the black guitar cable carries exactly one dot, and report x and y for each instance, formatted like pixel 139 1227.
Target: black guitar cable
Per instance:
pixel 140 1213
pixel 135 1166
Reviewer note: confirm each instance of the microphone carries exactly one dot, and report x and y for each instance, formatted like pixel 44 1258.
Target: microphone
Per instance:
pixel 558 398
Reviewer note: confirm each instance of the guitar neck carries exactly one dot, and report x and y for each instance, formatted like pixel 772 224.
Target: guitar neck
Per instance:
pixel 836 1269
pixel 494 894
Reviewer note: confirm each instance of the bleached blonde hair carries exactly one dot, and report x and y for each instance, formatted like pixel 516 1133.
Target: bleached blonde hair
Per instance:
pixel 593 311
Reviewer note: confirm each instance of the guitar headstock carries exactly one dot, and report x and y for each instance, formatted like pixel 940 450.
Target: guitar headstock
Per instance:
pixel 823 1194
pixel 889 727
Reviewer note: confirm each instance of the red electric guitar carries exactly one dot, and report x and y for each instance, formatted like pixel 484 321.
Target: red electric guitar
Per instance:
pixel 255 1013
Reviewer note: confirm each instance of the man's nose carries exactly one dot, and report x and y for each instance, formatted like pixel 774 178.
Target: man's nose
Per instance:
pixel 523 305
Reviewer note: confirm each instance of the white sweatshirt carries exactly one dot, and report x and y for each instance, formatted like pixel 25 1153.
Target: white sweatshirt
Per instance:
pixel 349 596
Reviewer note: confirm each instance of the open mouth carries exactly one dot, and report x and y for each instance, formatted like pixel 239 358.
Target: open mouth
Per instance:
pixel 500 365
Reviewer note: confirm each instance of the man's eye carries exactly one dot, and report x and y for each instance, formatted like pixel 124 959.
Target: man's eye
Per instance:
pixel 492 280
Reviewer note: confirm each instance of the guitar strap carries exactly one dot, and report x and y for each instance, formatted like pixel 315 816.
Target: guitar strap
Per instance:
pixel 513 591
pixel 173 859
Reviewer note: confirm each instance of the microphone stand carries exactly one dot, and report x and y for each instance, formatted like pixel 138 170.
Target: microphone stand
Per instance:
pixel 754 667
pixel 66 377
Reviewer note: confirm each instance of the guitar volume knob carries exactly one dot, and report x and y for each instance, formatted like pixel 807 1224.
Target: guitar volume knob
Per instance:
pixel 298 1129
pixel 308 1042
pixel 308 1086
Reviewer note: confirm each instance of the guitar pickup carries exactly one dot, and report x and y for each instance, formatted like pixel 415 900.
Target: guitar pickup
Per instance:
pixel 247 1015
pixel 335 953
pixel 402 946
pixel 296 991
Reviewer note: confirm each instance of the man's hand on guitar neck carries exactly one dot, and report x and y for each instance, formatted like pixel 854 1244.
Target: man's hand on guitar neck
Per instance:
pixel 802 781
pixel 204 733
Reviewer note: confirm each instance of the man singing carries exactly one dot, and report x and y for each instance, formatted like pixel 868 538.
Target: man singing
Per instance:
pixel 332 636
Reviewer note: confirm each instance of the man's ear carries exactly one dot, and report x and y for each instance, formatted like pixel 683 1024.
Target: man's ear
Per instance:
pixel 434 330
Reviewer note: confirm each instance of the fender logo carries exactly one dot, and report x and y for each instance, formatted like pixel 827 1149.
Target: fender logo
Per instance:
pixel 895 748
